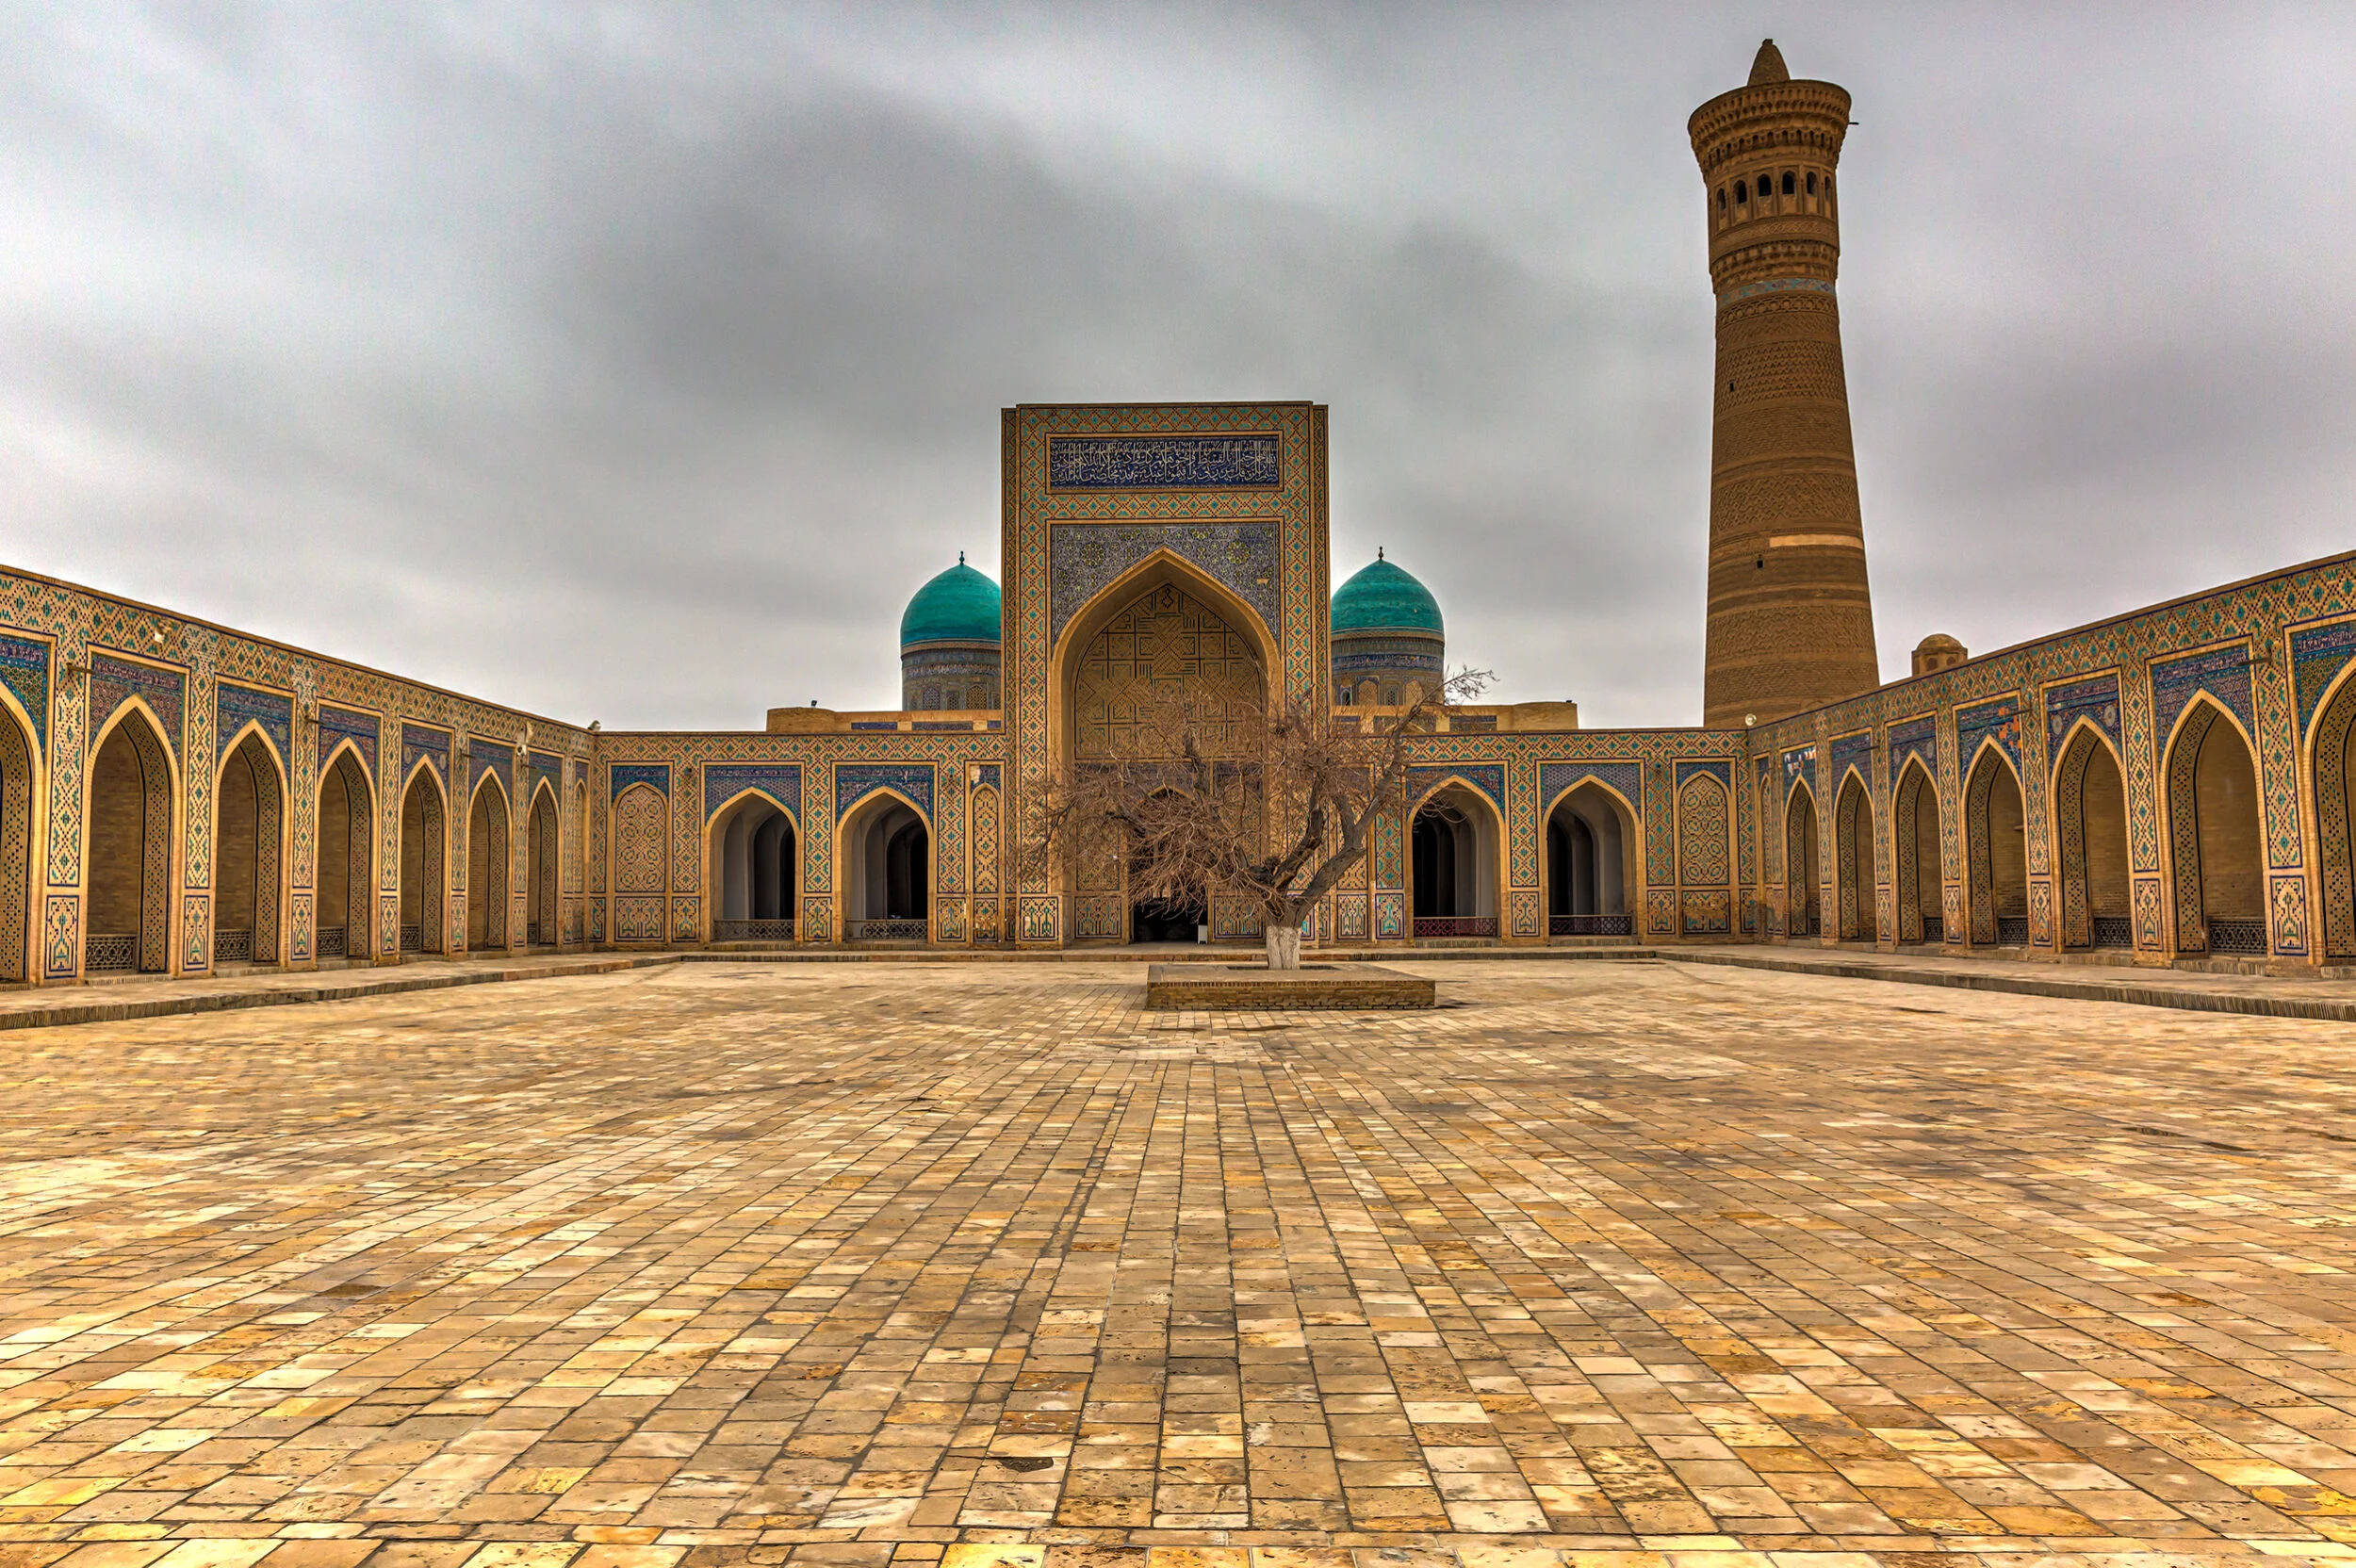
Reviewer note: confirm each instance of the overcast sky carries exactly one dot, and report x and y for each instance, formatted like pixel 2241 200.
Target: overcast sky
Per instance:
pixel 636 363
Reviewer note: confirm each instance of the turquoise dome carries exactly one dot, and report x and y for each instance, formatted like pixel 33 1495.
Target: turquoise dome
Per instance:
pixel 959 606
pixel 1383 598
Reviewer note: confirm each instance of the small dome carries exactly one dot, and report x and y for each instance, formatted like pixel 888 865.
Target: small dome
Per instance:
pixel 959 606
pixel 1768 66
pixel 1383 597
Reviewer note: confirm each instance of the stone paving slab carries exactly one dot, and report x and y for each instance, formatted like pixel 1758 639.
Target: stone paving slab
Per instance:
pixel 2253 995
pixel 1312 987
pixel 1598 1264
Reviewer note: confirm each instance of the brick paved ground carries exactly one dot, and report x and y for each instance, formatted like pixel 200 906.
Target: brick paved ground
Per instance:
pixel 721 1264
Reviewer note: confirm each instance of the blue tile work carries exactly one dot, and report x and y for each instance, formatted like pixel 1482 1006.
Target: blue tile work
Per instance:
pixel 2223 673
pixel 486 757
pixel 433 744
pixel 1250 461
pixel 539 765
pixel 339 725
pixel 1723 772
pixel 934 725
pixel 621 775
pixel 235 707
pixel 2317 655
pixel 1627 777
pixel 1798 764
pixel 780 781
pixel 2095 699
pixel 24 670
pixel 116 681
pixel 1999 721
pixel 1853 751
pixel 876 724
pixel 1488 777
pixel 1083 557
pixel 1915 738
pixel 853 782
pixel 985 775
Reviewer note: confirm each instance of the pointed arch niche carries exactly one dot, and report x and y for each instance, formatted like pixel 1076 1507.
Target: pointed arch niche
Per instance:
pixel 1914 855
pixel 1995 852
pixel 2332 767
pixel 347 863
pixel 132 794
pixel 1591 863
pixel 543 862
pixel 1803 910
pixel 488 872
pixel 18 799
pixel 1453 863
pixel 2090 825
pixel 1854 872
pixel 424 840
pixel 756 861
pixel 884 848
pixel 249 850
pixel 2214 846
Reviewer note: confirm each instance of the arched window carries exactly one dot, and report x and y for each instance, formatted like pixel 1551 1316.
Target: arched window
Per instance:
pixel 1741 190
pixel 1811 185
pixel 1790 185
pixel 1722 198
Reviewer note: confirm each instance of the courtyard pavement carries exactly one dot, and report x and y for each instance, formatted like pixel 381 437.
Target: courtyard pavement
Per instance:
pixel 1600 1264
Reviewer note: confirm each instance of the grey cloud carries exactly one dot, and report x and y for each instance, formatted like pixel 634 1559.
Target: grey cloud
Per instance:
pixel 638 364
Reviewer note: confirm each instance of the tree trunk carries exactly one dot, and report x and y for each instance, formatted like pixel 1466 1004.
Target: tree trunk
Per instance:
pixel 1284 945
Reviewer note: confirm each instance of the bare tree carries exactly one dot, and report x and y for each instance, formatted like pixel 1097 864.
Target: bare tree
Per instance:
pixel 1273 807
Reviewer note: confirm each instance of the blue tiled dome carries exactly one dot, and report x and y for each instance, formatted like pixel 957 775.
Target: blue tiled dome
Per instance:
pixel 959 606
pixel 1383 597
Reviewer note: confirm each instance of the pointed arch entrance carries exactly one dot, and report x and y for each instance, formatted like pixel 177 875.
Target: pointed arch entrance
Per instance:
pixel 1163 651
pixel 488 866
pixel 17 802
pixel 2091 820
pixel 249 837
pixel 347 860
pixel 129 864
pixel 1995 852
pixel 424 840
pixel 1591 865
pixel 1804 913
pixel 1453 865
pixel 1914 855
pixel 543 858
pixel 756 859
pixel 886 850
pixel 2214 845
pixel 1854 872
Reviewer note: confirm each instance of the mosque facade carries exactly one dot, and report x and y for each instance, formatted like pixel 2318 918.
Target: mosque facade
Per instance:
pixel 2172 786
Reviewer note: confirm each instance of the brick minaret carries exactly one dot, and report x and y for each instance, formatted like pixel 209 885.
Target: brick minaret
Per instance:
pixel 1791 619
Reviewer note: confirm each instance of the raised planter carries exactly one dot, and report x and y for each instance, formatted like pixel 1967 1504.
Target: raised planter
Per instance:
pixel 1255 988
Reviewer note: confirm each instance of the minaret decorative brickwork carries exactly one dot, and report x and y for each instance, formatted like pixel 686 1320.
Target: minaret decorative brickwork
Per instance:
pixel 1791 619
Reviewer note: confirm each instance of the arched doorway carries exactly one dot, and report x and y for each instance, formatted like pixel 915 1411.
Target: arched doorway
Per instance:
pixel 2333 769
pixel 423 840
pixel 2213 835
pixel 1166 656
pixel 249 811
pixel 347 863
pixel 541 860
pixel 1914 855
pixel 2090 817
pixel 1804 913
pixel 886 867
pixel 129 864
pixel 1453 865
pixel 1591 865
pixel 1854 872
pixel 756 861
pixel 1995 853
pixel 1165 920
pixel 16 846
pixel 488 867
